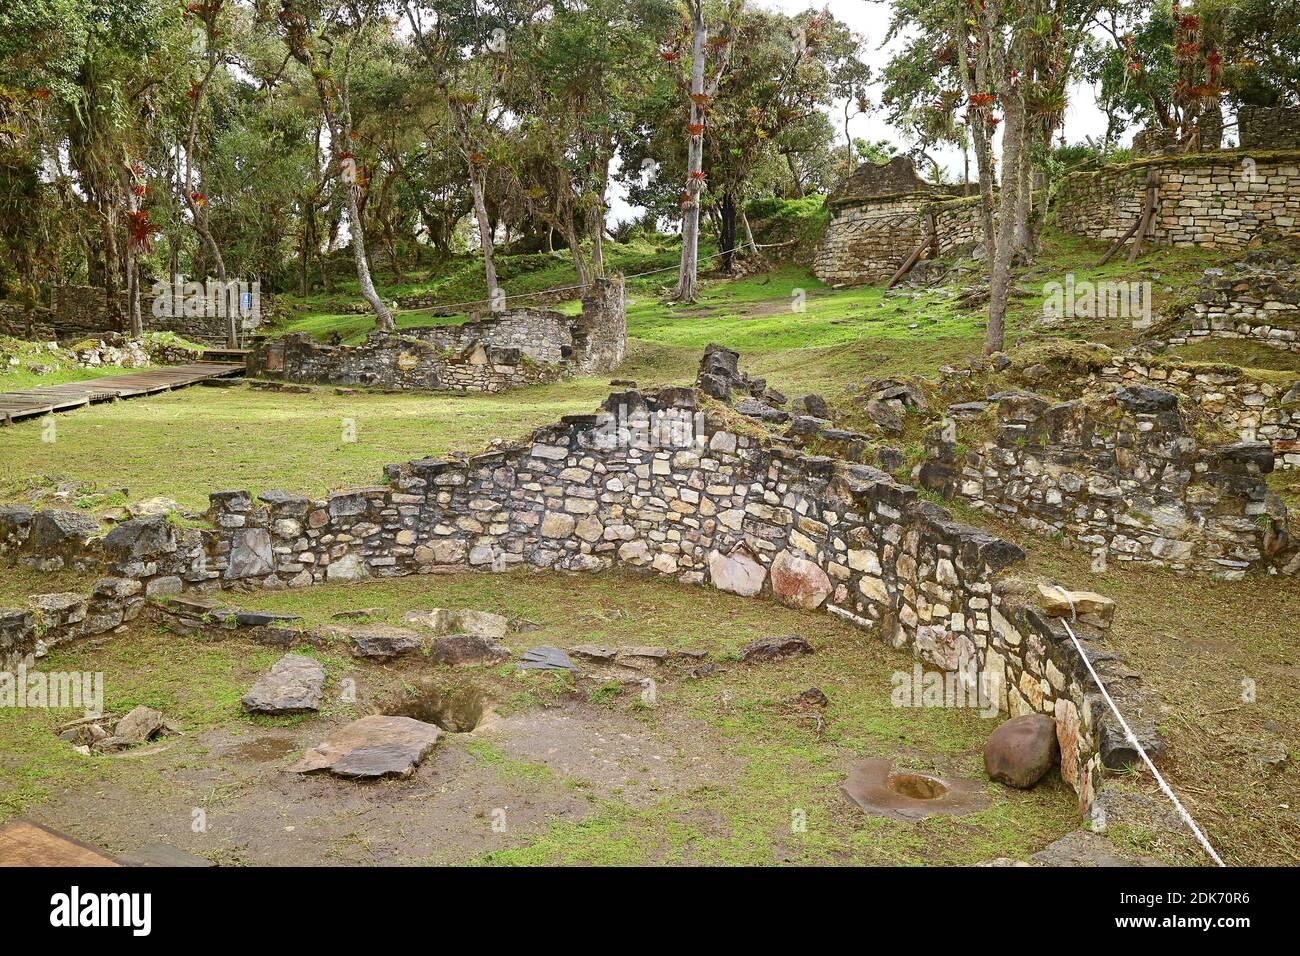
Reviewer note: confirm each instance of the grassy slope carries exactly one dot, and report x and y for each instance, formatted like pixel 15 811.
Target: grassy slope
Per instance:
pixel 229 438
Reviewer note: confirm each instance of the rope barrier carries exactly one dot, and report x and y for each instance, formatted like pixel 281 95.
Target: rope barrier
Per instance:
pixel 571 288
pixel 1132 738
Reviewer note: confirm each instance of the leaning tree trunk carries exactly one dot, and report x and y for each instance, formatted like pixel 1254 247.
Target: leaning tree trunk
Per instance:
pixel 485 239
pixel 688 272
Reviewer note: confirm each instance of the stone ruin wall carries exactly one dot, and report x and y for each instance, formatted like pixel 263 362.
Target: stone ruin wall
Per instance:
pixel 868 240
pixel 1253 409
pixel 400 361
pixel 516 348
pixel 713 506
pixel 1216 200
pixel 82 311
pixel 1122 476
pixel 1260 306
pixel 1268 127
pixel 880 214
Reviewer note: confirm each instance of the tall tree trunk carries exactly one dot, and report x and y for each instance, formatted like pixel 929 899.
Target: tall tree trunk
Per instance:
pixel 688 272
pixel 976 80
pixel 198 208
pixel 485 241
pixel 1009 209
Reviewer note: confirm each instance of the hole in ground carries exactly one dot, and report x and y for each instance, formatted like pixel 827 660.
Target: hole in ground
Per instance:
pixel 916 786
pixel 457 708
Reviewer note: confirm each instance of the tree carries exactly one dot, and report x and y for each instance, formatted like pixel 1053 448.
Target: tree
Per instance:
pixel 701 92
pixel 325 38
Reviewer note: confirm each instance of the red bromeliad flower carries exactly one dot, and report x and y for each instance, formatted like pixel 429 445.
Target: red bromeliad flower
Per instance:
pixel 139 189
pixel 695 129
pixel 139 227
pixel 200 200
pixel 699 98
pixel 686 201
pixel 698 174
pixel 981 100
pixel 477 159
pixel 668 56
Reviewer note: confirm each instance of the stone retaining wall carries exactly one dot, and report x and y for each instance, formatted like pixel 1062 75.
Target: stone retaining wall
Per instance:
pixel 652 482
pixel 1213 199
pixel 513 349
pixel 396 361
pixel 1260 305
pixel 1231 400
pixel 78 311
pixel 868 240
pixel 1121 476
pixel 50 619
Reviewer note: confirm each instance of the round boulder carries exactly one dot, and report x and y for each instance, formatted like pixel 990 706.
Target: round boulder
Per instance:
pixel 1021 751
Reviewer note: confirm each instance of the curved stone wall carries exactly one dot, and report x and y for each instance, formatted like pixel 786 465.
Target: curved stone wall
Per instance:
pixel 658 483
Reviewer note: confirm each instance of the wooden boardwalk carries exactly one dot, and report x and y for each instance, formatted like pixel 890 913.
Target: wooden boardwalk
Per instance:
pixel 61 398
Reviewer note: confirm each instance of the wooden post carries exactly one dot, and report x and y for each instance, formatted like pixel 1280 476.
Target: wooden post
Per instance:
pixel 1148 213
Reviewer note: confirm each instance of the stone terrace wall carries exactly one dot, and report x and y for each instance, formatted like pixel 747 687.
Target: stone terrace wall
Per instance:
pixel 542 335
pixel 1254 410
pixel 1268 127
pixel 711 506
pixel 1213 200
pixel 515 348
pixel 1262 306
pixel 81 310
pixel 1121 476
pixel 400 361
pixel 867 241
pixel 50 619
pixel 13 321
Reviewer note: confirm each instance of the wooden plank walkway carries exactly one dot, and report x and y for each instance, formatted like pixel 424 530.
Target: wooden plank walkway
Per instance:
pixel 60 398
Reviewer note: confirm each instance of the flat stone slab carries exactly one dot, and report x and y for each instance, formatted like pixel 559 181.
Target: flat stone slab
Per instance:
pixel 372 747
pixel 545 658
pixel 456 649
pixel 775 648
pixel 294 685
pixel 382 642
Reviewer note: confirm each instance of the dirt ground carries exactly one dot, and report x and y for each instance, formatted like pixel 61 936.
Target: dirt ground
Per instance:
pixel 723 768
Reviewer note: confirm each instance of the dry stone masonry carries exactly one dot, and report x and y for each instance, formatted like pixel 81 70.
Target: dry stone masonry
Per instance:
pixel 1119 474
pixel 1256 304
pixel 1216 200
pixel 881 214
pixel 1228 398
pixel 662 483
pixel 513 349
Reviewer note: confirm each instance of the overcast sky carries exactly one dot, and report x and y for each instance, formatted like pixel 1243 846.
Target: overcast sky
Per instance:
pixel 870 19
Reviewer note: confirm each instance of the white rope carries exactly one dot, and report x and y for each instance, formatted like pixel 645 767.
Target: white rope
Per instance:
pixel 571 288
pixel 1132 738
